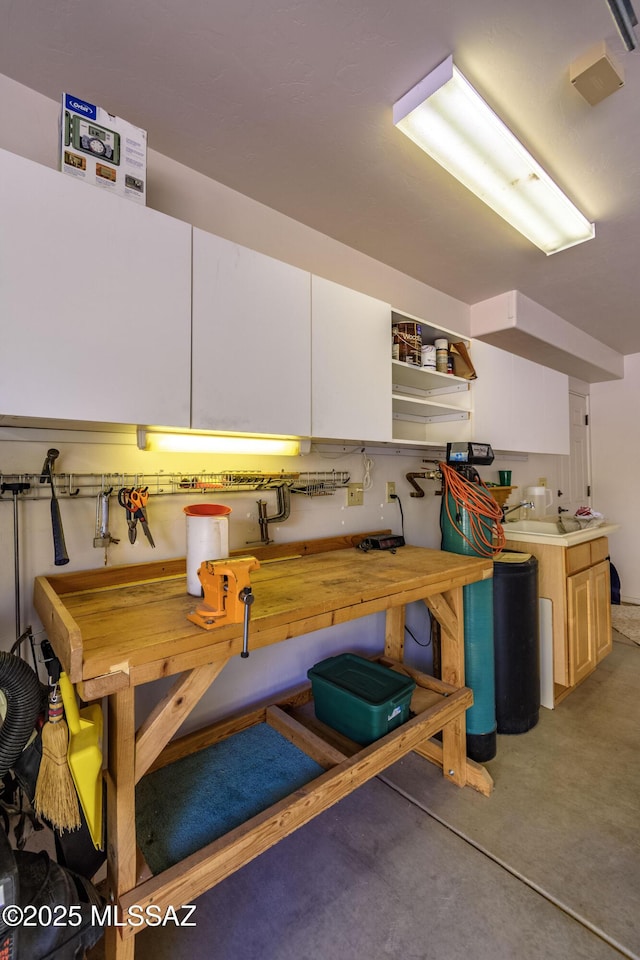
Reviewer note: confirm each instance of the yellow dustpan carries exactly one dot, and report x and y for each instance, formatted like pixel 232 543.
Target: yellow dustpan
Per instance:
pixel 85 756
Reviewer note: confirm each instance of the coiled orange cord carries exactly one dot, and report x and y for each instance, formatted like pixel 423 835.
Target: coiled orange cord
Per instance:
pixel 483 510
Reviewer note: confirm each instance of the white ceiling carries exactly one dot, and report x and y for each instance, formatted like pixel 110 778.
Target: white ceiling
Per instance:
pixel 289 102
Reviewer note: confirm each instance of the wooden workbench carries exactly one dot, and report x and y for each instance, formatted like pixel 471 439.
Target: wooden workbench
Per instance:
pixel 117 628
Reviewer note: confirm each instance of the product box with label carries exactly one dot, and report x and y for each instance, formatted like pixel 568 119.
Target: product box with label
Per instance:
pixel 103 149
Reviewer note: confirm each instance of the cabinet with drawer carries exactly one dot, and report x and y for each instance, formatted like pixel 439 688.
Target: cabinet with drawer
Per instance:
pixel 577 581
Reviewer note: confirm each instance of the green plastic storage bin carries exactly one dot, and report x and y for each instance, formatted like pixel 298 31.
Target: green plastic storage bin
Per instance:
pixel 361 699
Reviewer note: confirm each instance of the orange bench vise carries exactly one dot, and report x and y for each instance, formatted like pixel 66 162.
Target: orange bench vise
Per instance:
pixel 227 594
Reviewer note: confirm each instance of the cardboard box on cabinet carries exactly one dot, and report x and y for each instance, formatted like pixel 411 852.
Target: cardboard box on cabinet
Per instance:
pixel 102 149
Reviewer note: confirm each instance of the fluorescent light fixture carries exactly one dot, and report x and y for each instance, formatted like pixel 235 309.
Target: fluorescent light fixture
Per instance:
pixel 165 441
pixel 451 122
pixel 625 19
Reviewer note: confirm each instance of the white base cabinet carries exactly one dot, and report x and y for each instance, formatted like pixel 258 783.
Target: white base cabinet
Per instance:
pixel 251 369
pixel 95 295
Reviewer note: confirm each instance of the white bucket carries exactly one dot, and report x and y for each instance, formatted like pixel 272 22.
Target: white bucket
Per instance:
pixel 207 539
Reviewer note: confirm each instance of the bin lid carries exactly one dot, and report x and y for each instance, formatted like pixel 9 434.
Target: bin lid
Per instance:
pixel 512 557
pixel 207 510
pixel 369 681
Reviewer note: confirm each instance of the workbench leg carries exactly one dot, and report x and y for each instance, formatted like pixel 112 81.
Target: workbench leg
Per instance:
pixel 121 821
pixel 454 735
pixel 394 633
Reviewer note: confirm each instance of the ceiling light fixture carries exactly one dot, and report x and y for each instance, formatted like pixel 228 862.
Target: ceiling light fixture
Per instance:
pixel 450 121
pixel 625 20
pixel 166 441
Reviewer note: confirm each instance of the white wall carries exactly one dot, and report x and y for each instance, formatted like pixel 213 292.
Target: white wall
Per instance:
pixel 616 468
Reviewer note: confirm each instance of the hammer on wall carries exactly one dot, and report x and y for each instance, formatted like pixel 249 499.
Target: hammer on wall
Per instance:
pixel 59 546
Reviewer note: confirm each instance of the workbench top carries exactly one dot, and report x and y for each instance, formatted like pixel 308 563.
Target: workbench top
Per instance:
pixel 127 625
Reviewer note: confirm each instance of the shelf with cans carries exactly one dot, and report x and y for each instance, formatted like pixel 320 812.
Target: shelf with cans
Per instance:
pixel 431 376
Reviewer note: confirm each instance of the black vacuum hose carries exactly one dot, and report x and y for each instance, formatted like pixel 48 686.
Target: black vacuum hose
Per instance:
pixel 23 692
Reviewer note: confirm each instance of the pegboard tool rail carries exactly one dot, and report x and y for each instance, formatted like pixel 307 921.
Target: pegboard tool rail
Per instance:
pixel 78 485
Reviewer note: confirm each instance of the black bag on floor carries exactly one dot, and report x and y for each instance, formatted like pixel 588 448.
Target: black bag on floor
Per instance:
pixel 45 891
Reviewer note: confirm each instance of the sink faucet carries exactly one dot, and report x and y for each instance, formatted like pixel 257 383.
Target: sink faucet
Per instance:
pixel 523 503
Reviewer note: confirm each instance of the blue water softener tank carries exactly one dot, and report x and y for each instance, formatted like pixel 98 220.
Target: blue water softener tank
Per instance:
pixel 478 633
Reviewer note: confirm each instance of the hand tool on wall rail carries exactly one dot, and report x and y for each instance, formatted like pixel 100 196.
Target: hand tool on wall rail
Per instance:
pixel 125 501
pixel 138 500
pixel 102 536
pixel 59 547
pixel 16 488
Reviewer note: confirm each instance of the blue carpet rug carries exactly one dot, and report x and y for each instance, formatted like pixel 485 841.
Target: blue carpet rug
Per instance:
pixel 182 807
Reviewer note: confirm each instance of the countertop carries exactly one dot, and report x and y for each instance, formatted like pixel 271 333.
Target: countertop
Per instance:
pixel 560 540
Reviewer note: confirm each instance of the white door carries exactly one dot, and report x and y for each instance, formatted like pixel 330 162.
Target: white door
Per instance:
pixel 575 473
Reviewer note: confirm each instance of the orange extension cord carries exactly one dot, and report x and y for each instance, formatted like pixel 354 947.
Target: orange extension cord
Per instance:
pixel 481 507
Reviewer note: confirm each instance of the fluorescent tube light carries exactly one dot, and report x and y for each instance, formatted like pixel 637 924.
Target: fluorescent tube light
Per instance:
pixel 450 121
pixel 625 19
pixel 164 441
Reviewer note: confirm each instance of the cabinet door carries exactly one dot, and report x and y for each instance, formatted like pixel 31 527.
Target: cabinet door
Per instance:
pixel 519 405
pixel 580 626
pixel 351 364
pixel 95 296
pixel 601 587
pixel 251 368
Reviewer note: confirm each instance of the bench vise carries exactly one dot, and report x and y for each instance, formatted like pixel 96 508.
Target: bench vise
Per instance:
pixel 227 595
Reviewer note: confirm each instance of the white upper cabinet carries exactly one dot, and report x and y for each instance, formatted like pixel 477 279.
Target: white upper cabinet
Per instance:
pixel 519 405
pixel 251 341
pixel 95 303
pixel 351 364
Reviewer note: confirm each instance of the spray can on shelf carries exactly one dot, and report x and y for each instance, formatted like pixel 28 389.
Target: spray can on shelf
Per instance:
pixel 429 356
pixel 442 355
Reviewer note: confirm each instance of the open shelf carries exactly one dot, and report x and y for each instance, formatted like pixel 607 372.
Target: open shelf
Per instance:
pixel 428 406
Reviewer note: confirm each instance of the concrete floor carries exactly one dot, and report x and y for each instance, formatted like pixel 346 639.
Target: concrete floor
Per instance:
pixel 410 867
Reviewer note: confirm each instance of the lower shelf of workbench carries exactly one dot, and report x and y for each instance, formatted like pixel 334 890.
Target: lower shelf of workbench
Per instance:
pixel 346 766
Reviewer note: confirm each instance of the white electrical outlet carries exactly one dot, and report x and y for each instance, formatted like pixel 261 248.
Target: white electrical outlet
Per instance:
pixel 542 481
pixel 391 491
pixel 355 495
